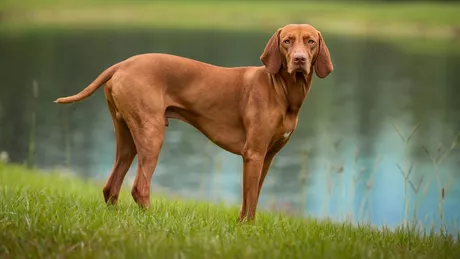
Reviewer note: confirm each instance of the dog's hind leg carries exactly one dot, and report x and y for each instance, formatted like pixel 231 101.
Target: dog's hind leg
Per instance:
pixel 148 137
pixel 125 153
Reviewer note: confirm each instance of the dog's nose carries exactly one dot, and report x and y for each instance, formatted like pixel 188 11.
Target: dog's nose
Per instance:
pixel 300 58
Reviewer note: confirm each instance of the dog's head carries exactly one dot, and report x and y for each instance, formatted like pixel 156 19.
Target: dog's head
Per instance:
pixel 297 48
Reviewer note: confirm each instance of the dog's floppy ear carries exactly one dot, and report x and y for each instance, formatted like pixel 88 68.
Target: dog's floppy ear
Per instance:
pixel 323 64
pixel 271 57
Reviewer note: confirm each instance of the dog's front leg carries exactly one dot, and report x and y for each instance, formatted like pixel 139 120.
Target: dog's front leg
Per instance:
pixel 253 161
pixel 268 161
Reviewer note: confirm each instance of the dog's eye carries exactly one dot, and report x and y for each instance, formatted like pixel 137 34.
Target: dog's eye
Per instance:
pixel 311 42
pixel 287 41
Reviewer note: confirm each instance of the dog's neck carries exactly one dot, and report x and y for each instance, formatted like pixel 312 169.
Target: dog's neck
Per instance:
pixel 294 88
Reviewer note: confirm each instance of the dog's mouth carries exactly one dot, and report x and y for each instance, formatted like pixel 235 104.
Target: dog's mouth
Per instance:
pixel 298 69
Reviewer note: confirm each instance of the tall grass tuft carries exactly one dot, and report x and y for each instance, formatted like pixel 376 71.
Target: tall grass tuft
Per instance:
pixel 67 134
pixel 303 177
pixel 356 176
pixel 31 153
pixel 366 200
pixel 437 160
pixel 405 170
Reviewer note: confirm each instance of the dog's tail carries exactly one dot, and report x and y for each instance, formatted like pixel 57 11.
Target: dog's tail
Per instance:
pixel 88 91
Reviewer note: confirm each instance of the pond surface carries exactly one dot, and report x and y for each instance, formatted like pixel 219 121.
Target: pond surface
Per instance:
pixel 341 161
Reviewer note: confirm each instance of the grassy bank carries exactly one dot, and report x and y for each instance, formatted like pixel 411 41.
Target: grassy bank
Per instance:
pixel 48 216
pixel 431 20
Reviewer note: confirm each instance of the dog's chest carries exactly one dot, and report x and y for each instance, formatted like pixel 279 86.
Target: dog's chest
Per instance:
pixel 287 134
pixel 289 123
pixel 281 137
pixel 285 128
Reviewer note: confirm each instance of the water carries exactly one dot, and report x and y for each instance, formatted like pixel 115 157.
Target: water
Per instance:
pixel 346 147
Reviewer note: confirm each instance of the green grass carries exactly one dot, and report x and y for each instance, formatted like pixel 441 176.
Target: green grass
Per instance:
pixel 48 215
pixel 432 20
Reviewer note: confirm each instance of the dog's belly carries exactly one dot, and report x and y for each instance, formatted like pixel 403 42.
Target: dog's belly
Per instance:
pixel 229 139
pixel 222 132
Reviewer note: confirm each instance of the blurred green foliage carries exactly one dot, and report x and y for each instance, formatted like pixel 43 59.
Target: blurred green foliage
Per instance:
pixel 225 14
pixel 51 3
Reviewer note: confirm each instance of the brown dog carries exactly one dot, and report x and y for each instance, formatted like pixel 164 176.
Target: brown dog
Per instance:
pixel 249 111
